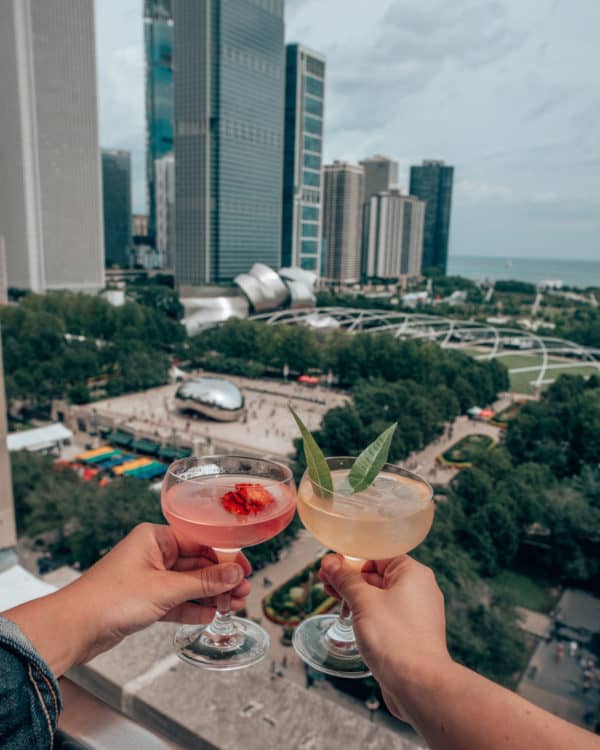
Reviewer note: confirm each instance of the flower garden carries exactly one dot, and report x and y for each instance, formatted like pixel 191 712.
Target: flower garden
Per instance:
pixel 298 598
pixel 462 453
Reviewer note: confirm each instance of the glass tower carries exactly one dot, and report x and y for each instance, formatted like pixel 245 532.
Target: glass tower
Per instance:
pixel 229 90
pixel 303 148
pixel 158 36
pixel 116 191
pixel 432 183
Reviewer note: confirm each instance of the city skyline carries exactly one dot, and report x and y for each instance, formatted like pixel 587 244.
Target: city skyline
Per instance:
pixel 517 118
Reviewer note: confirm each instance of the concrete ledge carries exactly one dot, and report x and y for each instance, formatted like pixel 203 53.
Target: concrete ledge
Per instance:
pixel 252 709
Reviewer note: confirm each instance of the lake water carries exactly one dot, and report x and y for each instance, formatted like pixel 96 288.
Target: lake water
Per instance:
pixel 581 273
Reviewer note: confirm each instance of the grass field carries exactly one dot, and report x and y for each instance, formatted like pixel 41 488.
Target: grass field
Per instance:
pixel 523 591
pixel 520 382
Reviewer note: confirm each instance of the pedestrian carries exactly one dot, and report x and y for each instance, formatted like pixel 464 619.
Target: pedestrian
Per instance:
pixel 573 646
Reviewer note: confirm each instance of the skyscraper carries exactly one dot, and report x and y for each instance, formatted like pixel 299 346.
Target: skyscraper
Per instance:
pixel 229 58
pixel 50 192
pixel 342 218
pixel 165 209
pixel 116 192
pixel 303 148
pixel 158 38
pixel 381 173
pixel 432 182
pixel 392 235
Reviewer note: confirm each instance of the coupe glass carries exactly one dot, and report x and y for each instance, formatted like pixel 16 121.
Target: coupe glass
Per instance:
pixel 199 500
pixel 389 518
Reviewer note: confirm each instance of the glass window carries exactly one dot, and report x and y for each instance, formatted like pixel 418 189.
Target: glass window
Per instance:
pixel 308 264
pixel 313 106
pixel 312 144
pixel 315 66
pixel 312 126
pixel 314 86
pixel 312 161
pixel 309 247
pixel 310 230
pixel 310 214
pixel 311 178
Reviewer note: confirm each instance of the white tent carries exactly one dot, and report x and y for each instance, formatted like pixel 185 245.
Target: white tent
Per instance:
pixel 39 439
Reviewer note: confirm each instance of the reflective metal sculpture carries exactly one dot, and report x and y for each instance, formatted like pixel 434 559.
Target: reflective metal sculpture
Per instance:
pixel 215 398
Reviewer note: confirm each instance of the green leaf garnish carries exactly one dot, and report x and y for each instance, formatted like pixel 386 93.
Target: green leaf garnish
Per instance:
pixel 318 470
pixel 370 462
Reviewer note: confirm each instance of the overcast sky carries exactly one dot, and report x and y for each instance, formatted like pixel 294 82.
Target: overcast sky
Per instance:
pixel 507 91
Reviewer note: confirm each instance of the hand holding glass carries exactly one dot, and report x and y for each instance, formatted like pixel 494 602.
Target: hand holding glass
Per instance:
pixel 199 500
pixel 389 518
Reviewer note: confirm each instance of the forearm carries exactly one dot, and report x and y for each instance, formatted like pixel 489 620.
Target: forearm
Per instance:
pixel 458 709
pixel 55 625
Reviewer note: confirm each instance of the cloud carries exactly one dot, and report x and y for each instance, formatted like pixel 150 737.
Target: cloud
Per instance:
pixel 505 90
pixel 475 191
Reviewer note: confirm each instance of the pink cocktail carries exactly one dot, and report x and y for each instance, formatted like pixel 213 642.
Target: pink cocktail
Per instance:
pixel 196 510
pixel 226 502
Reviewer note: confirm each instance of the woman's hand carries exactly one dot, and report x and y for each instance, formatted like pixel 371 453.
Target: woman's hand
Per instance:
pixel 398 617
pixel 151 575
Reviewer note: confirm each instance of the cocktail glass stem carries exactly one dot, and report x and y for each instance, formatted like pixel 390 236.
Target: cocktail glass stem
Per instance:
pixel 340 635
pixel 222 631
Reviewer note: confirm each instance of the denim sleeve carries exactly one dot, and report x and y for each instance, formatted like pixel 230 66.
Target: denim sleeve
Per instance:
pixel 29 696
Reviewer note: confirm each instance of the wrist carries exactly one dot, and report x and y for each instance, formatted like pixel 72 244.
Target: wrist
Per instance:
pixel 419 684
pixel 420 675
pixel 54 625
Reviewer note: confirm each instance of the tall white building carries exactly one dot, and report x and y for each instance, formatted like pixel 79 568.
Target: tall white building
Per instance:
pixel 342 216
pixel 50 186
pixel 164 193
pixel 381 173
pixel 392 235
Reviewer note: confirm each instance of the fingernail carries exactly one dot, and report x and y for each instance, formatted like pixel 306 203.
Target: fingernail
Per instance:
pixel 231 573
pixel 333 565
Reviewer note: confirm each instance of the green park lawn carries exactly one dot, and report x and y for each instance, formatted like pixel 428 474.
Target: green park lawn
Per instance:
pixel 521 382
pixel 523 591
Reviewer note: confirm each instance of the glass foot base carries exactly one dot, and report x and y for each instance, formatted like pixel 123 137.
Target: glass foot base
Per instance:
pixel 247 646
pixel 314 647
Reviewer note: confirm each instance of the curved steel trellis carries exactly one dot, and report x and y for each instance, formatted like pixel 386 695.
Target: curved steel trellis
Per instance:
pixel 448 333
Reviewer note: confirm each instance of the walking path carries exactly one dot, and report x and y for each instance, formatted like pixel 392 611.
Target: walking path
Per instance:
pixel 425 462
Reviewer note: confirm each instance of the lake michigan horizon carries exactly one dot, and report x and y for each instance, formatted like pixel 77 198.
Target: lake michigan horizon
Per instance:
pixel 577 273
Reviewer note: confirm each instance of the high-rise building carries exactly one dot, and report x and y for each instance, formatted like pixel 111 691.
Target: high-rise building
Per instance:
pixel 342 219
pixel 165 209
pixel 50 191
pixel 392 235
pixel 229 91
pixel 303 149
pixel 432 182
pixel 158 39
pixel 381 173
pixel 116 192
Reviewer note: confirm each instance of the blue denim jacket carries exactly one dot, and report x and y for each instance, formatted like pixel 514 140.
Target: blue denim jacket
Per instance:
pixel 29 695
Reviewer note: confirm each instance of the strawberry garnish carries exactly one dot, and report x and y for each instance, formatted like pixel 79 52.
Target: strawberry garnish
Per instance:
pixel 246 499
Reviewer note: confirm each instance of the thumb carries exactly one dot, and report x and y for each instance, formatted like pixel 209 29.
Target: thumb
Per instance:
pixel 346 579
pixel 204 583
